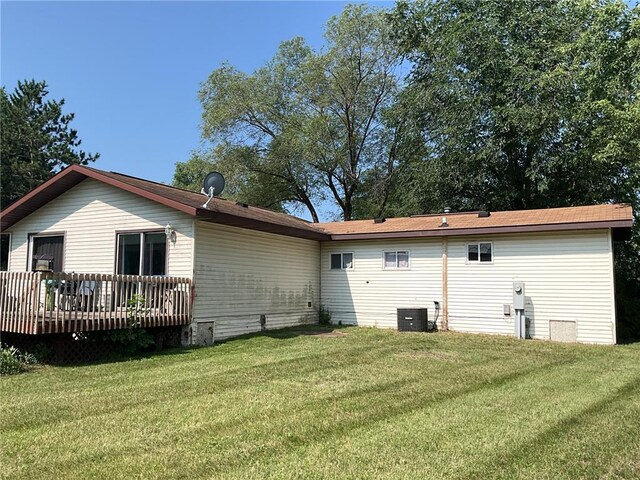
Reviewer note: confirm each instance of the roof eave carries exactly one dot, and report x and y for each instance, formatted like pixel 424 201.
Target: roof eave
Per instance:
pixel 455 232
pixel 40 196
pixel 66 179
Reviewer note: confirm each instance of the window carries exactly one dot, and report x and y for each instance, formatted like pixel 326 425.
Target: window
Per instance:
pixel 341 261
pixel 142 253
pixel 480 252
pixel 396 260
pixel 5 245
pixel 47 252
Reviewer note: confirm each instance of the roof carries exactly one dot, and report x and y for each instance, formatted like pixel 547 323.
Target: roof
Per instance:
pixel 469 223
pixel 218 210
pixel 618 217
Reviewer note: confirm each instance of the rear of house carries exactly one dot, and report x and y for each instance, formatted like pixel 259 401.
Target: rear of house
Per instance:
pixel 88 246
pixel 568 280
pixel 88 243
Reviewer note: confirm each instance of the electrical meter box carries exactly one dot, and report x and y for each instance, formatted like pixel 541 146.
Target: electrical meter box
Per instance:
pixel 518 295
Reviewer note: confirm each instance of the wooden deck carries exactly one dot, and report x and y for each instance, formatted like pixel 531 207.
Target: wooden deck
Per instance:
pixel 42 303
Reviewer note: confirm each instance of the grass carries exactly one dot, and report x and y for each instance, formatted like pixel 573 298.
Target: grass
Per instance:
pixel 366 404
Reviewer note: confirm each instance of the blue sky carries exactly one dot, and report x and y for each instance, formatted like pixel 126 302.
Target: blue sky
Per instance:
pixel 130 71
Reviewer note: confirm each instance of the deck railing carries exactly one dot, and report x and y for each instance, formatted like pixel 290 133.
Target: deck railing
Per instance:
pixel 43 302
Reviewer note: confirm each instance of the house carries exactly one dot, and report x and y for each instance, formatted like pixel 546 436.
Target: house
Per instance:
pixel 88 246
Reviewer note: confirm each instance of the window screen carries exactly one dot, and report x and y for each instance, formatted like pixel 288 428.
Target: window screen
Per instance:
pixel 48 252
pixel 480 252
pixel 129 254
pixel 341 261
pixel 390 259
pixel 155 254
pixel 397 259
pixel 472 252
pixel 485 252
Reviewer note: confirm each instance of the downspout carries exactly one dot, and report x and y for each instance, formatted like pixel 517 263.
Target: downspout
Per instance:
pixel 614 320
pixel 445 302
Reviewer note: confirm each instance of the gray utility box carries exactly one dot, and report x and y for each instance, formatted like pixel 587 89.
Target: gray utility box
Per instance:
pixel 412 320
pixel 518 295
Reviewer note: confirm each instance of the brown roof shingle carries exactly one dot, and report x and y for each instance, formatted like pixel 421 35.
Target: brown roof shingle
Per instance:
pixel 217 207
pixel 469 222
pixel 218 210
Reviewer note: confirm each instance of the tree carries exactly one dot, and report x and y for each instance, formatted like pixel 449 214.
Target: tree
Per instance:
pixel 313 121
pixel 36 140
pixel 242 185
pixel 521 104
pixel 525 104
pixel 349 88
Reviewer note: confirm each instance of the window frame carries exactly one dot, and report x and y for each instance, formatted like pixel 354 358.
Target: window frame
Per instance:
pixel 397 267
pixel 353 261
pixel 141 233
pixel 32 236
pixel 478 261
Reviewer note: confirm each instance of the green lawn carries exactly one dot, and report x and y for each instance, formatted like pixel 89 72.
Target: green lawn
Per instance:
pixel 364 404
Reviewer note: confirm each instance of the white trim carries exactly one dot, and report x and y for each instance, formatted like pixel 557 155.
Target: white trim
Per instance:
pixel 353 260
pixel 408 267
pixel 478 262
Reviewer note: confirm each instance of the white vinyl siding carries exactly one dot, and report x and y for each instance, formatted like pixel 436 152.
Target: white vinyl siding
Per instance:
pixel 241 274
pixel 567 277
pixel 370 295
pixel 90 214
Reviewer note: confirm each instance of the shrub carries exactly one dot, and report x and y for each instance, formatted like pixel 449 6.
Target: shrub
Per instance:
pixel 128 341
pixel 134 339
pixel 324 315
pixel 14 361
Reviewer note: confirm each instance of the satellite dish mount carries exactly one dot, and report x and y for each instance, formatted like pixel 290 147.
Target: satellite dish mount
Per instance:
pixel 212 186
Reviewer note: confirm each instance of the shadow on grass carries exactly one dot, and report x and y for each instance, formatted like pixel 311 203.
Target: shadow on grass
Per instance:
pixel 305 330
pixel 124 357
pixel 282 334
pixel 214 382
pixel 393 399
pixel 568 427
pixel 350 410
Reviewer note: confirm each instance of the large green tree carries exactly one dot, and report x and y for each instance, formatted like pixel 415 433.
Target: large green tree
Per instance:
pixel 312 123
pixel 521 104
pixel 525 104
pixel 36 140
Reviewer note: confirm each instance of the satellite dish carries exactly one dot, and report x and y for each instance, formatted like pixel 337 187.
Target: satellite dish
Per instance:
pixel 212 186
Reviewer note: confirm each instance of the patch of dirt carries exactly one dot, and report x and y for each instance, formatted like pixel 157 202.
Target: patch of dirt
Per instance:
pixel 319 333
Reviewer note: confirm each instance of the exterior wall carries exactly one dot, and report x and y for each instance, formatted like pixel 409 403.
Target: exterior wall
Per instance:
pixel 241 274
pixel 369 295
pixel 89 215
pixel 568 277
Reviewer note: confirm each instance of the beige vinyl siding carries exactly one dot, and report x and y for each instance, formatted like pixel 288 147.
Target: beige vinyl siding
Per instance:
pixel 241 274
pixel 370 295
pixel 567 276
pixel 90 214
